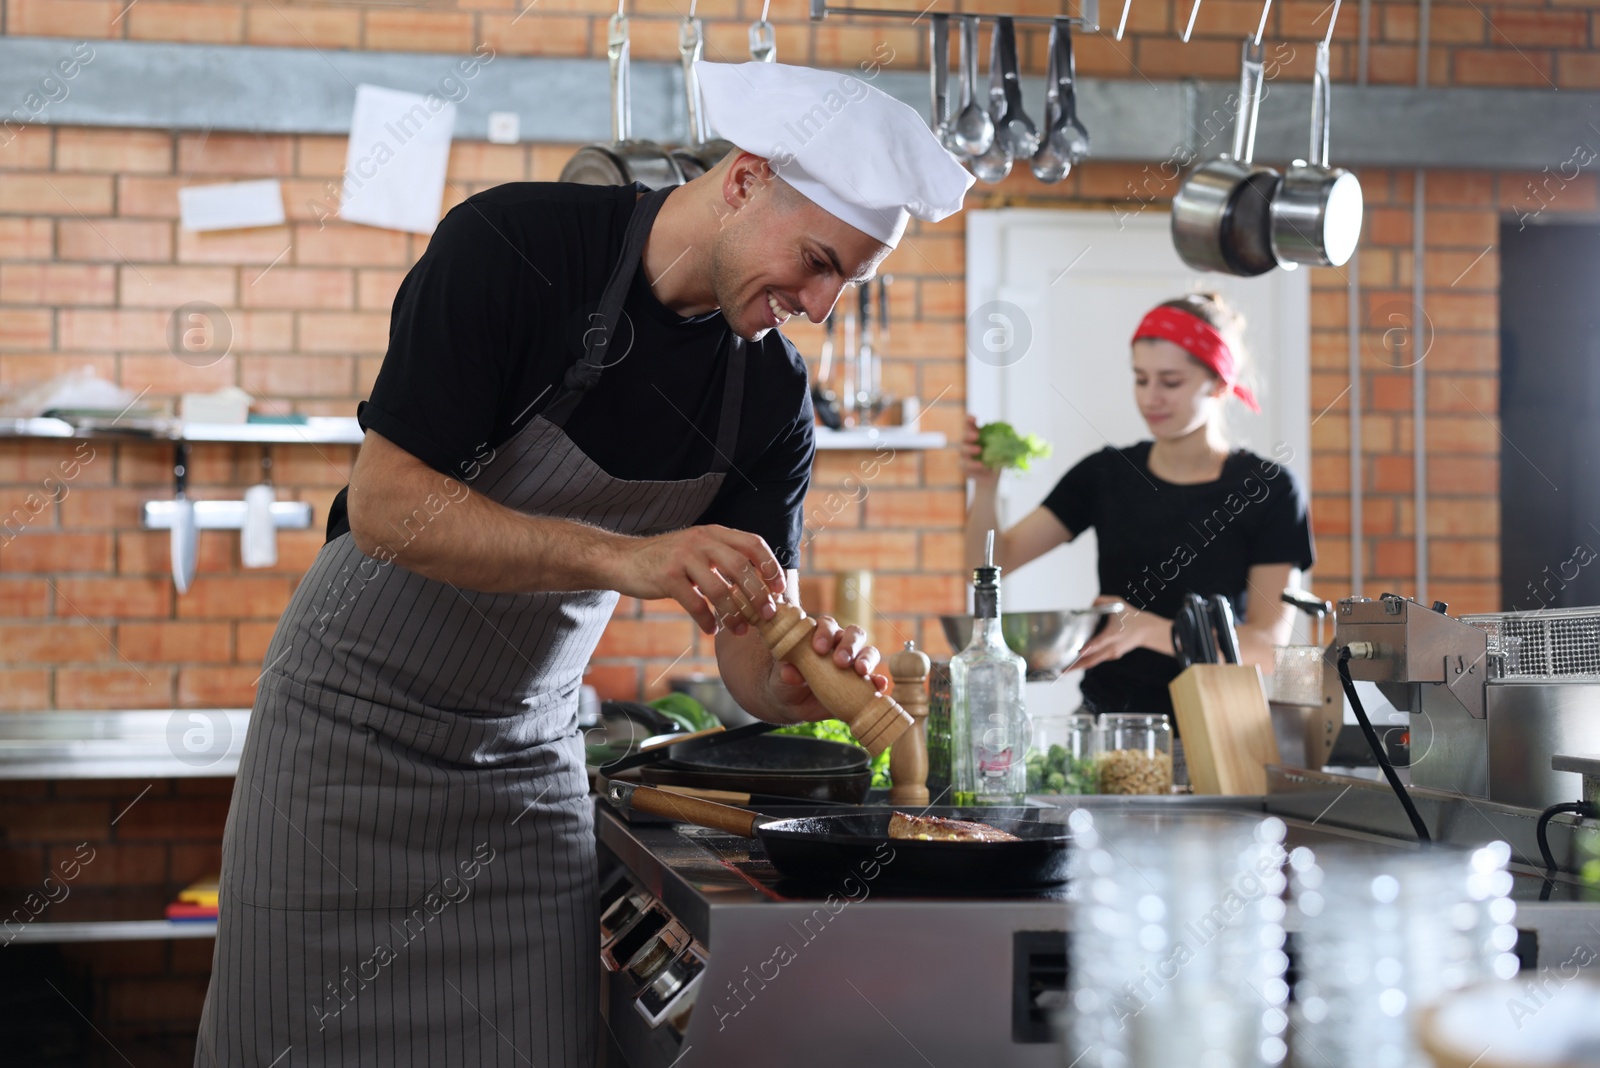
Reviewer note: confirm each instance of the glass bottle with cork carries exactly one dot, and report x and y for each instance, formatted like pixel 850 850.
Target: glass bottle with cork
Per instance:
pixel 989 725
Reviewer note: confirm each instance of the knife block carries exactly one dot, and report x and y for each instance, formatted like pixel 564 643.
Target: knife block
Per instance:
pixel 876 719
pixel 1226 727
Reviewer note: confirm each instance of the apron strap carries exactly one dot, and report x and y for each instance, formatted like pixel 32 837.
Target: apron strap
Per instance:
pixel 732 406
pixel 582 375
pixel 585 373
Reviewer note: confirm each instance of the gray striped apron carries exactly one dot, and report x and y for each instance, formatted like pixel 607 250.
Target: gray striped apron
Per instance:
pixel 408 872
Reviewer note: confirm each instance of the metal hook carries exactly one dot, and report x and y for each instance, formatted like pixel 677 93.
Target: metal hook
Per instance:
pixel 1194 12
pixel 1261 27
pixel 1333 18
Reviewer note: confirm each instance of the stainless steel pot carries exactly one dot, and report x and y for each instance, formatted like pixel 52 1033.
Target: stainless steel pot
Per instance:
pixel 1221 215
pixel 625 160
pixel 1316 216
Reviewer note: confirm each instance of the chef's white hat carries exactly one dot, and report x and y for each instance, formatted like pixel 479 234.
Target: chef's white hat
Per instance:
pixel 851 149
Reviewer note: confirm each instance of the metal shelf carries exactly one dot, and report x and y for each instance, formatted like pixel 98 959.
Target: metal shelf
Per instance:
pixel 316 430
pixel 870 437
pixel 147 743
pixel 110 931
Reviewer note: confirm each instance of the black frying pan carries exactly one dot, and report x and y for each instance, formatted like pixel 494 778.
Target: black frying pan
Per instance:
pixel 750 760
pixel 816 848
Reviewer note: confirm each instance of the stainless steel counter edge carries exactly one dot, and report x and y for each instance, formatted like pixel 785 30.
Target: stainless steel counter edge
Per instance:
pixel 1363 805
pixel 122 743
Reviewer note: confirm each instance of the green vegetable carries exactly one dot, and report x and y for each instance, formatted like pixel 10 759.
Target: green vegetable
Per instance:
pixel 1057 772
pixel 834 730
pixel 685 711
pixel 1003 447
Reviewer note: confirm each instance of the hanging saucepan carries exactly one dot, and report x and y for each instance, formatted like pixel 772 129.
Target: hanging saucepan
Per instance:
pixel 701 153
pixel 1221 215
pixel 624 160
pixel 1316 216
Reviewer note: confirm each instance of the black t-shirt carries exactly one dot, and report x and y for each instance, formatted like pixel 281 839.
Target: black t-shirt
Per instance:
pixel 488 320
pixel 1159 540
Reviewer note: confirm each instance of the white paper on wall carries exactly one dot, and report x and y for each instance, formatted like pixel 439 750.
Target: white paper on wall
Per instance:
pixel 395 164
pixel 231 205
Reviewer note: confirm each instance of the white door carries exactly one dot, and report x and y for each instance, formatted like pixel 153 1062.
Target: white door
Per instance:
pixel 1052 300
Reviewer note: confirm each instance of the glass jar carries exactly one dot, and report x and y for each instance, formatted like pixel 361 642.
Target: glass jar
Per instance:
pixel 1062 760
pixel 938 727
pixel 1135 754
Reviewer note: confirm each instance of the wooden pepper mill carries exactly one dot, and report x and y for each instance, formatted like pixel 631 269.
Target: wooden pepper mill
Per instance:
pixel 876 719
pixel 908 761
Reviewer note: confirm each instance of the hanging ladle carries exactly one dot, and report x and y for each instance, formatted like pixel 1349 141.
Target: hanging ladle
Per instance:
pixel 1316 215
pixel 993 166
pixel 1012 127
pixel 939 79
pixel 973 129
pixel 1066 142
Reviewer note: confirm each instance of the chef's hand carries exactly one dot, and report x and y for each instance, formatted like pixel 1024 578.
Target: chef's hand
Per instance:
pixel 971 465
pixel 694 567
pixel 1124 632
pixel 849 649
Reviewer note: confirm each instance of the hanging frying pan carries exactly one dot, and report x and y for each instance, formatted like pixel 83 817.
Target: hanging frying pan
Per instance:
pixel 625 160
pixel 1221 217
pixel 1316 216
pixel 814 848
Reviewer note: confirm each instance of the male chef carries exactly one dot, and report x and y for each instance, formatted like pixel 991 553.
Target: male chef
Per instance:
pixel 584 396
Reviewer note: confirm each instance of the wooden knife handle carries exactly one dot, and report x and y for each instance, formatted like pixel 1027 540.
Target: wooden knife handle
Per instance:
pixel 679 807
pixel 874 718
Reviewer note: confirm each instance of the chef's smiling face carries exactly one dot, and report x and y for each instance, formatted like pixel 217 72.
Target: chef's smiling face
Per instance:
pixel 778 254
pixel 1175 393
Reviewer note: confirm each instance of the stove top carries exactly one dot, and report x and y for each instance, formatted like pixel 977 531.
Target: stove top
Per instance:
pixel 726 869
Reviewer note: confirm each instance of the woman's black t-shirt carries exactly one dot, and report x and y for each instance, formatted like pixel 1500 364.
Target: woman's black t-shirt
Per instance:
pixel 487 322
pixel 1160 540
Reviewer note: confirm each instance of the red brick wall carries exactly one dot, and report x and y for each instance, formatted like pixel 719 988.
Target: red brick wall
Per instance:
pixel 92 261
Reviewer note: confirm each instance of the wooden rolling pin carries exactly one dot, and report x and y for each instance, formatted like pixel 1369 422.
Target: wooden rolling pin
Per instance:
pixel 908 760
pixel 874 718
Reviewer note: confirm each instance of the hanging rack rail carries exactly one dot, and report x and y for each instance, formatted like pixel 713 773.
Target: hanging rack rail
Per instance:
pixel 1089 19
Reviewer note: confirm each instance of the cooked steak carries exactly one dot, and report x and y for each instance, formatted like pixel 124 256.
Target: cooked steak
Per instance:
pixel 938 829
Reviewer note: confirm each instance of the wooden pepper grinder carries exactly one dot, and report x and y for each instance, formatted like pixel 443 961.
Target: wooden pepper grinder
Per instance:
pixel 908 760
pixel 876 719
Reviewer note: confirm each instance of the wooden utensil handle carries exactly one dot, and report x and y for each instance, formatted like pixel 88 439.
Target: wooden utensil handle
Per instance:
pixel 679 807
pixel 874 718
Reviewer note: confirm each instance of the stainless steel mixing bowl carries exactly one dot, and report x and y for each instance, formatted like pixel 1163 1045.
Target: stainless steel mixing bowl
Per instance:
pixel 1048 641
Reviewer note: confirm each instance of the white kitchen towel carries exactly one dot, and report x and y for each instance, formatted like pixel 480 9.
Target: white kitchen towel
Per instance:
pixel 395 163
pixel 258 538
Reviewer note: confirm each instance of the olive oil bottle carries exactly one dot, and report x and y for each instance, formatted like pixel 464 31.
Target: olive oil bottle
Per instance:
pixel 989 725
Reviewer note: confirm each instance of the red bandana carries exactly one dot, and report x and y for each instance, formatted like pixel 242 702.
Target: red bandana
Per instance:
pixel 1199 339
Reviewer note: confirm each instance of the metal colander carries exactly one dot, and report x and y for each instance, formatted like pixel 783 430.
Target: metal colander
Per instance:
pixel 1543 644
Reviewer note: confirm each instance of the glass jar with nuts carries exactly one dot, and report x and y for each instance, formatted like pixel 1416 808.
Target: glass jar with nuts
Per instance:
pixel 1136 754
